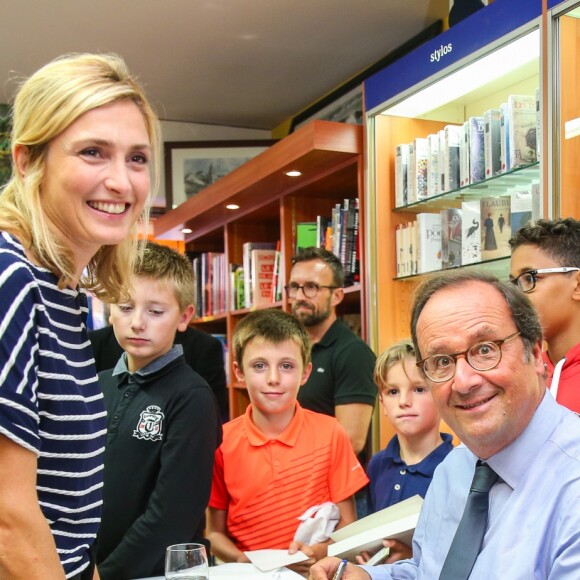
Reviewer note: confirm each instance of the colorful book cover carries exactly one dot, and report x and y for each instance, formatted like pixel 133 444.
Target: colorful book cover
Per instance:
pixel 470 232
pixel 521 209
pixel 495 227
pixel 429 242
pixel 262 276
pixel 247 248
pixel 476 150
pixel 450 238
pixel 433 167
pixel 421 160
pixel 522 130
pixel 492 143
pixel 306 235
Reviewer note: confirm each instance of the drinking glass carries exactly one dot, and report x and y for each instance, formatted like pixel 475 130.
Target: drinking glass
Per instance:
pixel 186 562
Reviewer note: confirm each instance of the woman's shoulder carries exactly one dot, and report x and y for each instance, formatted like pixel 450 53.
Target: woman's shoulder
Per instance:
pixel 13 261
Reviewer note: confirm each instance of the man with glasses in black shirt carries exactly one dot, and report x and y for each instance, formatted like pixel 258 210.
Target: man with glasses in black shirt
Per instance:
pixel 341 383
pixel 545 264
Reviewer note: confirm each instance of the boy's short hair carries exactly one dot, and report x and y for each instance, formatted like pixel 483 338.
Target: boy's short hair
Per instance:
pixel 166 265
pixel 559 239
pixel 273 326
pixel 314 253
pixel 390 357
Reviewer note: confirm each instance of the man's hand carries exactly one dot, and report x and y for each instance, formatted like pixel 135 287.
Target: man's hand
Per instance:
pixel 325 569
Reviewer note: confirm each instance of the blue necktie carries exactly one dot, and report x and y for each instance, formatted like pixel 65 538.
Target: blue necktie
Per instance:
pixel 469 535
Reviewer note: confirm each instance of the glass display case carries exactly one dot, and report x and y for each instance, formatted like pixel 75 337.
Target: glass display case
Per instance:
pixel 486 61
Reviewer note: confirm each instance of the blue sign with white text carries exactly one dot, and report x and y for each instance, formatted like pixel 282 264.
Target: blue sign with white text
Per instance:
pixel 475 32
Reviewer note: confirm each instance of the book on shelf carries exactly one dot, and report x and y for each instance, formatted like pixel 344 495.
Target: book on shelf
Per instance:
pixel 276 293
pixel 476 155
pixel 247 249
pixel 495 227
pixel 464 156
pixel 433 167
pixel 538 124
pixel 450 238
pixel 323 229
pixel 210 279
pixel 452 140
pixel 236 287
pixel 504 136
pixel 262 270
pixel 522 130
pixel 492 142
pixel 520 208
pixel 402 237
pixel 421 160
pixel 397 522
pixel 401 169
pixel 428 242
pixel 306 235
pixel 349 248
pixel 470 232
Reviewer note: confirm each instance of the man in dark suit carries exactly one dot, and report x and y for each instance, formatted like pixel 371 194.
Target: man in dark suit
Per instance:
pixel 203 353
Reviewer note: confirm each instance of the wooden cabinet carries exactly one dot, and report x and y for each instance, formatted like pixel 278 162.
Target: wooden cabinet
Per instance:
pixel 442 82
pixel 329 157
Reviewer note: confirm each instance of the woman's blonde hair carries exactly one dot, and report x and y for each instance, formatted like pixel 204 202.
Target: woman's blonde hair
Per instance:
pixel 46 104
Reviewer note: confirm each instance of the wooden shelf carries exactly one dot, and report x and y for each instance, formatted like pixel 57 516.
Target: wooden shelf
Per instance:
pixel 329 156
pixel 319 150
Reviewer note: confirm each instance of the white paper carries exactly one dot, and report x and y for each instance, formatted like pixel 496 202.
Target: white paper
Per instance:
pixel 267 560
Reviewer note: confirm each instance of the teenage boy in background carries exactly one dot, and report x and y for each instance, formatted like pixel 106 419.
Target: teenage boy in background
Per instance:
pixel 545 264
pixel 278 459
pixel 163 425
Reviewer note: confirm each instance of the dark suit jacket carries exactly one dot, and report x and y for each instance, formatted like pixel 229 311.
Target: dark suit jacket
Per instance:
pixel 202 352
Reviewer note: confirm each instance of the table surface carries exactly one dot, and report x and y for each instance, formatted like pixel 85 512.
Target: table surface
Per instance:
pixel 247 571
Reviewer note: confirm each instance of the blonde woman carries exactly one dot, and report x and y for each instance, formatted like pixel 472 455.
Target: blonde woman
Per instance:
pixel 84 148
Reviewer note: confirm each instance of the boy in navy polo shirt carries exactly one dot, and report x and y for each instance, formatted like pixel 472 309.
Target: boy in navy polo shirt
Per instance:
pixel 405 467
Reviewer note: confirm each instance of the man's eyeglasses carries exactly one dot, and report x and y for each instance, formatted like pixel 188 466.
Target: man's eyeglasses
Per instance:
pixel 526 281
pixel 482 356
pixel 309 289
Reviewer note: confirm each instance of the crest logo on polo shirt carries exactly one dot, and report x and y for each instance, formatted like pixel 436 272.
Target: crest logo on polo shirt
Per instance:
pixel 150 425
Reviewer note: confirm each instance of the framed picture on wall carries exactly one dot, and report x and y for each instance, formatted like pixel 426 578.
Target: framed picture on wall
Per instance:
pixel 191 166
pixel 5 150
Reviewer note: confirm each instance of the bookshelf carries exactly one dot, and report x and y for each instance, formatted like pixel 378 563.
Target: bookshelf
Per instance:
pixel 441 83
pixel 330 159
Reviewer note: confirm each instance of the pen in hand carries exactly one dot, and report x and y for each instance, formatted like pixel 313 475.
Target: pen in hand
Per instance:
pixel 340 570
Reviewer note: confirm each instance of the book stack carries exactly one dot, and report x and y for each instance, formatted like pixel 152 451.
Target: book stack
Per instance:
pixel 258 268
pixel 210 278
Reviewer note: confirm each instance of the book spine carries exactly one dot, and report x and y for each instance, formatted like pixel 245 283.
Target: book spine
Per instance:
pixel 476 153
pixel 470 236
pixel 492 142
pixel 433 169
pixel 452 140
pixel 504 121
pixel 523 123
pixel 401 169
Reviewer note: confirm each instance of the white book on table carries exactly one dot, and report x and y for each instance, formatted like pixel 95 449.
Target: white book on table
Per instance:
pixel 397 521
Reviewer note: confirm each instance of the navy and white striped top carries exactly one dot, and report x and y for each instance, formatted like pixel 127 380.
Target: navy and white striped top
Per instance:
pixel 50 401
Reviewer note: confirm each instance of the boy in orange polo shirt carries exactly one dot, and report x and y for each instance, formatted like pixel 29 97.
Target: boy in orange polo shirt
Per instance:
pixel 278 459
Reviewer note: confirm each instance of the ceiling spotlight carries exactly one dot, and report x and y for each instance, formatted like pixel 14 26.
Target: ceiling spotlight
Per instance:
pixel 186 230
pixel 232 206
pixel 293 173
